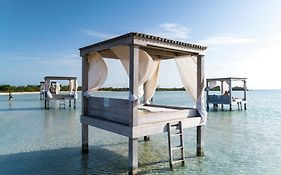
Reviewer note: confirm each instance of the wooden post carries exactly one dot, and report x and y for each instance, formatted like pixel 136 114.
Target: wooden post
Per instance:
pixel 85 70
pixel 133 84
pixel 245 94
pixel 207 85
pixel 200 141
pixel 222 92
pixel 69 101
pixel 230 94
pixel 145 100
pixel 133 120
pixel 200 85
pixel 133 155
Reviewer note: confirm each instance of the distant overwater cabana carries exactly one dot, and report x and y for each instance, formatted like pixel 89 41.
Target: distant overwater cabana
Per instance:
pixel 53 91
pixel 141 55
pixel 226 96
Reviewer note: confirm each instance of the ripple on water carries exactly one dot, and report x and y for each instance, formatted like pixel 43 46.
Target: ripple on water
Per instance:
pixel 37 141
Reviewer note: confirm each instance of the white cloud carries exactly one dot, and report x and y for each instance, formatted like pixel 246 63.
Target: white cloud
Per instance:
pixel 174 31
pixel 96 34
pixel 226 40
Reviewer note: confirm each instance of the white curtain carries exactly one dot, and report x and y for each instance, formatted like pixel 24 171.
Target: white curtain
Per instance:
pixel 71 86
pixel 225 86
pixel 97 73
pixel 213 84
pixel 152 82
pixel 47 89
pixel 57 86
pixel 187 67
pixel 145 64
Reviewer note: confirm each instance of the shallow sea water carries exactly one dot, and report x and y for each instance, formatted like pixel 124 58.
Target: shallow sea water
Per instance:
pixel 38 141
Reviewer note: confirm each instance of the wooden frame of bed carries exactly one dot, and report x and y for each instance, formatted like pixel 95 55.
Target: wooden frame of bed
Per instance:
pixel 126 117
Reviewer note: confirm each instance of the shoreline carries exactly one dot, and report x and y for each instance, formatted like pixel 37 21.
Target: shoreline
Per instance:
pixel 18 93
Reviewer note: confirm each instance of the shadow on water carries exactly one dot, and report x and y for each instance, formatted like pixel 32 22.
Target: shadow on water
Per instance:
pixel 21 109
pixel 64 161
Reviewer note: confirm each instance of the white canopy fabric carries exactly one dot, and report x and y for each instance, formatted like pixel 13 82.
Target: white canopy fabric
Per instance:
pixel 213 84
pixel 97 73
pixel 145 65
pixel 47 89
pixel 57 87
pixel 187 67
pixel 225 86
pixel 152 82
pixel 73 86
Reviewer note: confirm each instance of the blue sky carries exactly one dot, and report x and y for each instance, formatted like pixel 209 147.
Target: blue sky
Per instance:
pixel 39 37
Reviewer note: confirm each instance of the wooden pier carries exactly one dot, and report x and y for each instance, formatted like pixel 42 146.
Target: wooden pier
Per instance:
pixel 130 117
pixel 226 96
pixel 52 91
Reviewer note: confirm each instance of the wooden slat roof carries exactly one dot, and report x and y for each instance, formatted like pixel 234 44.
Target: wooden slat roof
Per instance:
pixel 227 78
pixel 59 78
pixel 146 36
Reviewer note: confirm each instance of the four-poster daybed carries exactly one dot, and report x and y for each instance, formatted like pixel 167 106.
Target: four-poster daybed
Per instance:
pixel 141 55
pixel 226 96
pixel 52 90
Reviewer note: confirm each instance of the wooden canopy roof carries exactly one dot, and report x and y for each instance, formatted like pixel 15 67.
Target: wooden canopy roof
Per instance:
pixel 59 78
pixel 227 78
pixel 163 48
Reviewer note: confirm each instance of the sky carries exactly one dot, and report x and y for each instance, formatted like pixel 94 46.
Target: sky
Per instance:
pixel 40 37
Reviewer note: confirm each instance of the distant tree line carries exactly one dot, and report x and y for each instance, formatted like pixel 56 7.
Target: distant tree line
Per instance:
pixel 36 88
pixel 27 88
pixel 236 88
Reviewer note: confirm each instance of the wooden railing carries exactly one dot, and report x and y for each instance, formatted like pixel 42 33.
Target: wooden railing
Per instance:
pixel 111 109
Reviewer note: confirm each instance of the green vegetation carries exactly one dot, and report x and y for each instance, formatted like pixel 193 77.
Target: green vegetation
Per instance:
pixel 36 88
pixel 28 88
pixel 236 88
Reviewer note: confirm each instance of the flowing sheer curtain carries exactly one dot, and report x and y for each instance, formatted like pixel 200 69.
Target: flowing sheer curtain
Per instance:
pixel 213 84
pixel 152 82
pixel 145 64
pixel 97 73
pixel 187 67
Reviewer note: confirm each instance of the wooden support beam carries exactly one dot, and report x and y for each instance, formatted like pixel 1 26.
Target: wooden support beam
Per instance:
pixel 133 107
pixel 200 85
pixel 245 94
pixel 145 100
pixel 133 156
pixel 208 89
pixel 230 93
pixel 133 85
pixel 200 141
pixel 85 69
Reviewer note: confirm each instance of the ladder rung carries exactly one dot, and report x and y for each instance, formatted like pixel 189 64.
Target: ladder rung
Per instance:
pixel 177 147
pixel 177 161
pixel 176 134
pixel 174 125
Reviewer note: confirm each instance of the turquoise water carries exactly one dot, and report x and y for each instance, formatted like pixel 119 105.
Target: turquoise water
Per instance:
pixel 38 141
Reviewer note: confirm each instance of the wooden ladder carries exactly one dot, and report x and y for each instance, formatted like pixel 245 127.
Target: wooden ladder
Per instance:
pixel 61 103
pixel 175 130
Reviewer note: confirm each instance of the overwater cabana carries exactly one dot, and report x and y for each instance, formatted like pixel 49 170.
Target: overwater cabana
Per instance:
pixel 53 92
pixel 226 96
pixel 141 55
